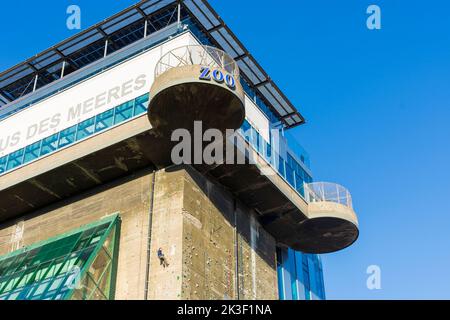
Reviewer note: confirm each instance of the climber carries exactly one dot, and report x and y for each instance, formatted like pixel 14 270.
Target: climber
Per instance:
pixel 162 258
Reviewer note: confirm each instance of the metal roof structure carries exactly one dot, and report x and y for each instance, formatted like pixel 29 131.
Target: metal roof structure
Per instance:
pixel 50 270
pixel 128 26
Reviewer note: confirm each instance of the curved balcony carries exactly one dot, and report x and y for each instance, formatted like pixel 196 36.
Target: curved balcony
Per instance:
pixel 332 224
pixel 196 83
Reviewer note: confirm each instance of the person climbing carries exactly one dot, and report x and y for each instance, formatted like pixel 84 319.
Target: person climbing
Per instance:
pixel 162 258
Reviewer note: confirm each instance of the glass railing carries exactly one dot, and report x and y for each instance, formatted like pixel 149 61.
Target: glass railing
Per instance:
pixel 250 92
pixel 196 55
pixel 328 192
pixel 290 170
pixel 78 132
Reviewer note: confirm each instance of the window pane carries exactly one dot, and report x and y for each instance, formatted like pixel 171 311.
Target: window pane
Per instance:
pixel 67 136
pixel 49 144
pixel 124 112
pixel 85 128
pixel 32 151
pixel 47 271
pixel 15 159
pixel 299 182
pixel 104 120
pixel 281 165
pixel 141 104
pixel 290 175
pixel 3 164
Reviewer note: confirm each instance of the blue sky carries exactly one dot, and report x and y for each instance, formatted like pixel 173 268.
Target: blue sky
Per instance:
pixel 378 110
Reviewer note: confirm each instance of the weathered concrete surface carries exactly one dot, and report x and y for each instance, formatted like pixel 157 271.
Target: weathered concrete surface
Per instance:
pixel 129 197
pixel 221 236
pixel 194 222
pixel 331 227
pixel 198 224
pixel 166 233
pixel 67 172
pixel 179 98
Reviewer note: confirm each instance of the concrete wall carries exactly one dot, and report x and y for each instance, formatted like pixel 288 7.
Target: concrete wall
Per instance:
pixel 207 236
pixel 130 197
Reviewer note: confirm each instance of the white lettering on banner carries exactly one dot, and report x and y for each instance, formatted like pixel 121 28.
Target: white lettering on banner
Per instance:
pixel 106 90
pixel 83 109
pixel 109 96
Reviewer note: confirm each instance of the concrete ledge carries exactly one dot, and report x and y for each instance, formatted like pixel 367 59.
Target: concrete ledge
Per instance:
pixel 180 97
pixel 74 151
pixel 323 209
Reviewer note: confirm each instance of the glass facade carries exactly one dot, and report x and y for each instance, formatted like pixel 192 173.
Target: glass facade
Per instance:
pixel 79 265
pixel 300 276
pixel 80 131
pixel 286 166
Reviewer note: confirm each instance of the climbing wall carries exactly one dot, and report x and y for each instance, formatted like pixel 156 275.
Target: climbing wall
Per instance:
pixel 214 245
pixel 256 261
pixel 208 240
pixel 226 254
pixel 167 225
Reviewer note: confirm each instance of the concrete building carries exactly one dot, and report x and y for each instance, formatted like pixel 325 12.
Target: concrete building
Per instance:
pixel 92 203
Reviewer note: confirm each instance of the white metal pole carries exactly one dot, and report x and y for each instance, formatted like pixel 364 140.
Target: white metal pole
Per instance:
pixel 63 68
pixel 35 83
pixel 106 48
pixel 179 15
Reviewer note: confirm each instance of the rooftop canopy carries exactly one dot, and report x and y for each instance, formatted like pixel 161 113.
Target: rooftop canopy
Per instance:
pixel 129 26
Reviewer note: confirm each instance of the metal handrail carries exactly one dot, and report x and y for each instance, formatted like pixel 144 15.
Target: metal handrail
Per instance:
pixel 197 55
pixel 328 192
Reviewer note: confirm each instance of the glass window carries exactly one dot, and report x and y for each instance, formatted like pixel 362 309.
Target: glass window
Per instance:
pixel 247 133
pixel 104 120
pixel 299 275
pixel 49 144
pixel 3 164
pixel 15 159
pixel 281 164
pixel 50 270
pixel 254 138
pixel 32 152
pixel 85 128
pixel 141 104
pixel 67 136
pixel 124 112
pixel 299 184
pixel 290 175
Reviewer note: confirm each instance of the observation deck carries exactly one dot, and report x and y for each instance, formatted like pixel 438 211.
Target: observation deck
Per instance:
pixel 119 140
pixel 332 223
pixel 196 83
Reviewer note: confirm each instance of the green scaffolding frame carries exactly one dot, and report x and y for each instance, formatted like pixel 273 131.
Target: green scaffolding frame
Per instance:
pixel 79 265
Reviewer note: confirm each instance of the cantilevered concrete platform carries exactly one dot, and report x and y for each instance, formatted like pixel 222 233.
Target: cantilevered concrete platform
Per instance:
pixel 315 224
pixel 132 146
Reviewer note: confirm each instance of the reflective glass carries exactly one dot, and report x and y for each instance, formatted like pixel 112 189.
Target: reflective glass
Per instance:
pixel 3 161
pixel 124 112
pixel 104 120
pixel 15 159
pixel 141 104
pixel 49 144
pixel 51 270
pixel 32 152
pixel 85 128
pixel 67 136
pixel 300 275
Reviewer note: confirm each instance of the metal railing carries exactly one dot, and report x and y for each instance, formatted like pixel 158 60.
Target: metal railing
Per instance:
pixel 197 55
pixel 328 192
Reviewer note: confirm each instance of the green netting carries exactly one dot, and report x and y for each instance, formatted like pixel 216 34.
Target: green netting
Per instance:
pixel 76 265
